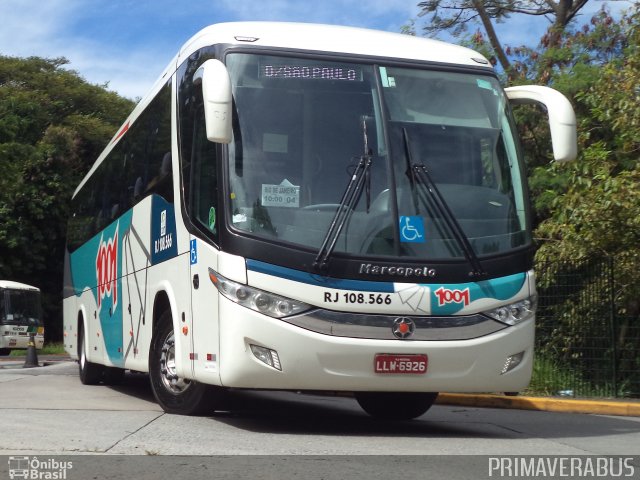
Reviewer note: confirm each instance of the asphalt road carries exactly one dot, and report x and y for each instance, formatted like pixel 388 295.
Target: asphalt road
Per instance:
pixel 47 411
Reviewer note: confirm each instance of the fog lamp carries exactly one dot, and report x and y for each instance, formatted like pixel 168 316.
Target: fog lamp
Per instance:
pixel 512 362
pixel 266 355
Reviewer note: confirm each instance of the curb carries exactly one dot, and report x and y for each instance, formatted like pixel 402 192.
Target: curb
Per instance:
pixel 13 363
pixel 599 407
pixel 20 365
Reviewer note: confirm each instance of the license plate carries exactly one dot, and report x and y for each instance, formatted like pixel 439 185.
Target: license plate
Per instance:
pixel 405 364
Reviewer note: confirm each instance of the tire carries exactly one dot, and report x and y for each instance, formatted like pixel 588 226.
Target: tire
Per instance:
pixel 5 351
pixel 174 394
pixel 395 405
pixel 90 373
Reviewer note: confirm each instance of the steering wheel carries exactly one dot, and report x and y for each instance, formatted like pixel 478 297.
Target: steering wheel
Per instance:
pixel 322 207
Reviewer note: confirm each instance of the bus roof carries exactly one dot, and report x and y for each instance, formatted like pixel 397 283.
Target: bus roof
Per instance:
pixel 17 285
pixel 333 39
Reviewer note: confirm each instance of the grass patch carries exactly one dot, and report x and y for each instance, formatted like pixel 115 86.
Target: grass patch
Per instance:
pixel 549 378
pixel 54 348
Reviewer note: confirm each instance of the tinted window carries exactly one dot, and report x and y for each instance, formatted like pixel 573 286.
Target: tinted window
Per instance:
pixel 138 166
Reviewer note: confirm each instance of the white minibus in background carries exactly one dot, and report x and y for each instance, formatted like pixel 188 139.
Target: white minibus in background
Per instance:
pixel 20 316
pixel 311 207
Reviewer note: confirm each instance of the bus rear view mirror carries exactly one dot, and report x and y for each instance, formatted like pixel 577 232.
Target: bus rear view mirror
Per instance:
pixel 562 119
pixel 216 93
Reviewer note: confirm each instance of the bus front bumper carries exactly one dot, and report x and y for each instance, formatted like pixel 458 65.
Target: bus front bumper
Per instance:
pixel 18 341
pixel 309 360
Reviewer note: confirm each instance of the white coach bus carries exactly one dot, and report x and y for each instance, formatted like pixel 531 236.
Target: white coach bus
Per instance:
pixel 20 316
pixel 311 207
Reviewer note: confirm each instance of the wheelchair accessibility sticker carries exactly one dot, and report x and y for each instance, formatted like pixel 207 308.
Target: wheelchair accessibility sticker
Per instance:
pixel 412 229
pixel 194 251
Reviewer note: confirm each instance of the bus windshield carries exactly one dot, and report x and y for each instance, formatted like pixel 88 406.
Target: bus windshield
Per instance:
pixel 303 128
pixel 20 307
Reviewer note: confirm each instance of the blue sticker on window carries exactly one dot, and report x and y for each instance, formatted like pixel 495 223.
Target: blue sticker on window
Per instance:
pixel 412 229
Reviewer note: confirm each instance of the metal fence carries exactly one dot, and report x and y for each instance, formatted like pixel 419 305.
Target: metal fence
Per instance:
pixel 587 345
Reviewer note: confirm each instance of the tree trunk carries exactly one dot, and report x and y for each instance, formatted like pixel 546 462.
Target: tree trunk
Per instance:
pixel 491 34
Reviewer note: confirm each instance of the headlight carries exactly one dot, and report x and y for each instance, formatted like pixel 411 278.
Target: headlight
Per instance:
pixel 258 300
pixel 516 312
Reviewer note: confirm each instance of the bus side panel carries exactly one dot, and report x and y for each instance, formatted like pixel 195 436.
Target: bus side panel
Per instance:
pixel 70 320
pixel 171 278
pixel 98 262
pixel 204 313
pixel 69 311
pixel 151 266
pixel 93 333
pixel 79 304
pixel 135 263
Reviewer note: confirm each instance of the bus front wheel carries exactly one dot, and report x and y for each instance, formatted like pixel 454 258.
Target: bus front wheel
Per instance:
pixel 395 405
pixel 173 393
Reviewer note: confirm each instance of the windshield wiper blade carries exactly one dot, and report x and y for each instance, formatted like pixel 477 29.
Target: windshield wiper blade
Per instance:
pixel 418 173
pixel 361 178
pixel 344 212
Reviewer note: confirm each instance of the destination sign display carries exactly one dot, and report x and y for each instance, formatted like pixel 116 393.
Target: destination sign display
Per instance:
pixel 311 72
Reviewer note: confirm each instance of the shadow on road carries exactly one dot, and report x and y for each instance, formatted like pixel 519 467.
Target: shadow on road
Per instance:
pixel 135 384
pixel 300 413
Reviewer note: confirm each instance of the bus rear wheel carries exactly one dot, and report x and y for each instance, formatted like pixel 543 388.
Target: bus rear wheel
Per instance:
pixel 173 393
pixel 90 373
pixel 395 405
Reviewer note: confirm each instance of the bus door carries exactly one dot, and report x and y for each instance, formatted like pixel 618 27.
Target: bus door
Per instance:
pixel 201 172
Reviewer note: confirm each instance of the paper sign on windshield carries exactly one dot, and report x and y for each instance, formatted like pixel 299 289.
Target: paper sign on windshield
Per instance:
pixel 284 195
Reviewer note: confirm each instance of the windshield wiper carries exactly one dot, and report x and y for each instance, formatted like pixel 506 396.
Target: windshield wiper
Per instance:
pixel 419 174
pixel 361 178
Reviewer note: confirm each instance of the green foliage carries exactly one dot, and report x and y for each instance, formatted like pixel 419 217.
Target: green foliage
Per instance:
pixel 596 215
pixel 599 211
pixel 53 125
pixel 55 348
pixel 588 209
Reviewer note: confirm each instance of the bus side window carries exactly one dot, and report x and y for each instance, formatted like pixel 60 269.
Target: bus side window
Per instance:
pixel 203 202
pixel 152 168
pixel 162 183
pixel 198 158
